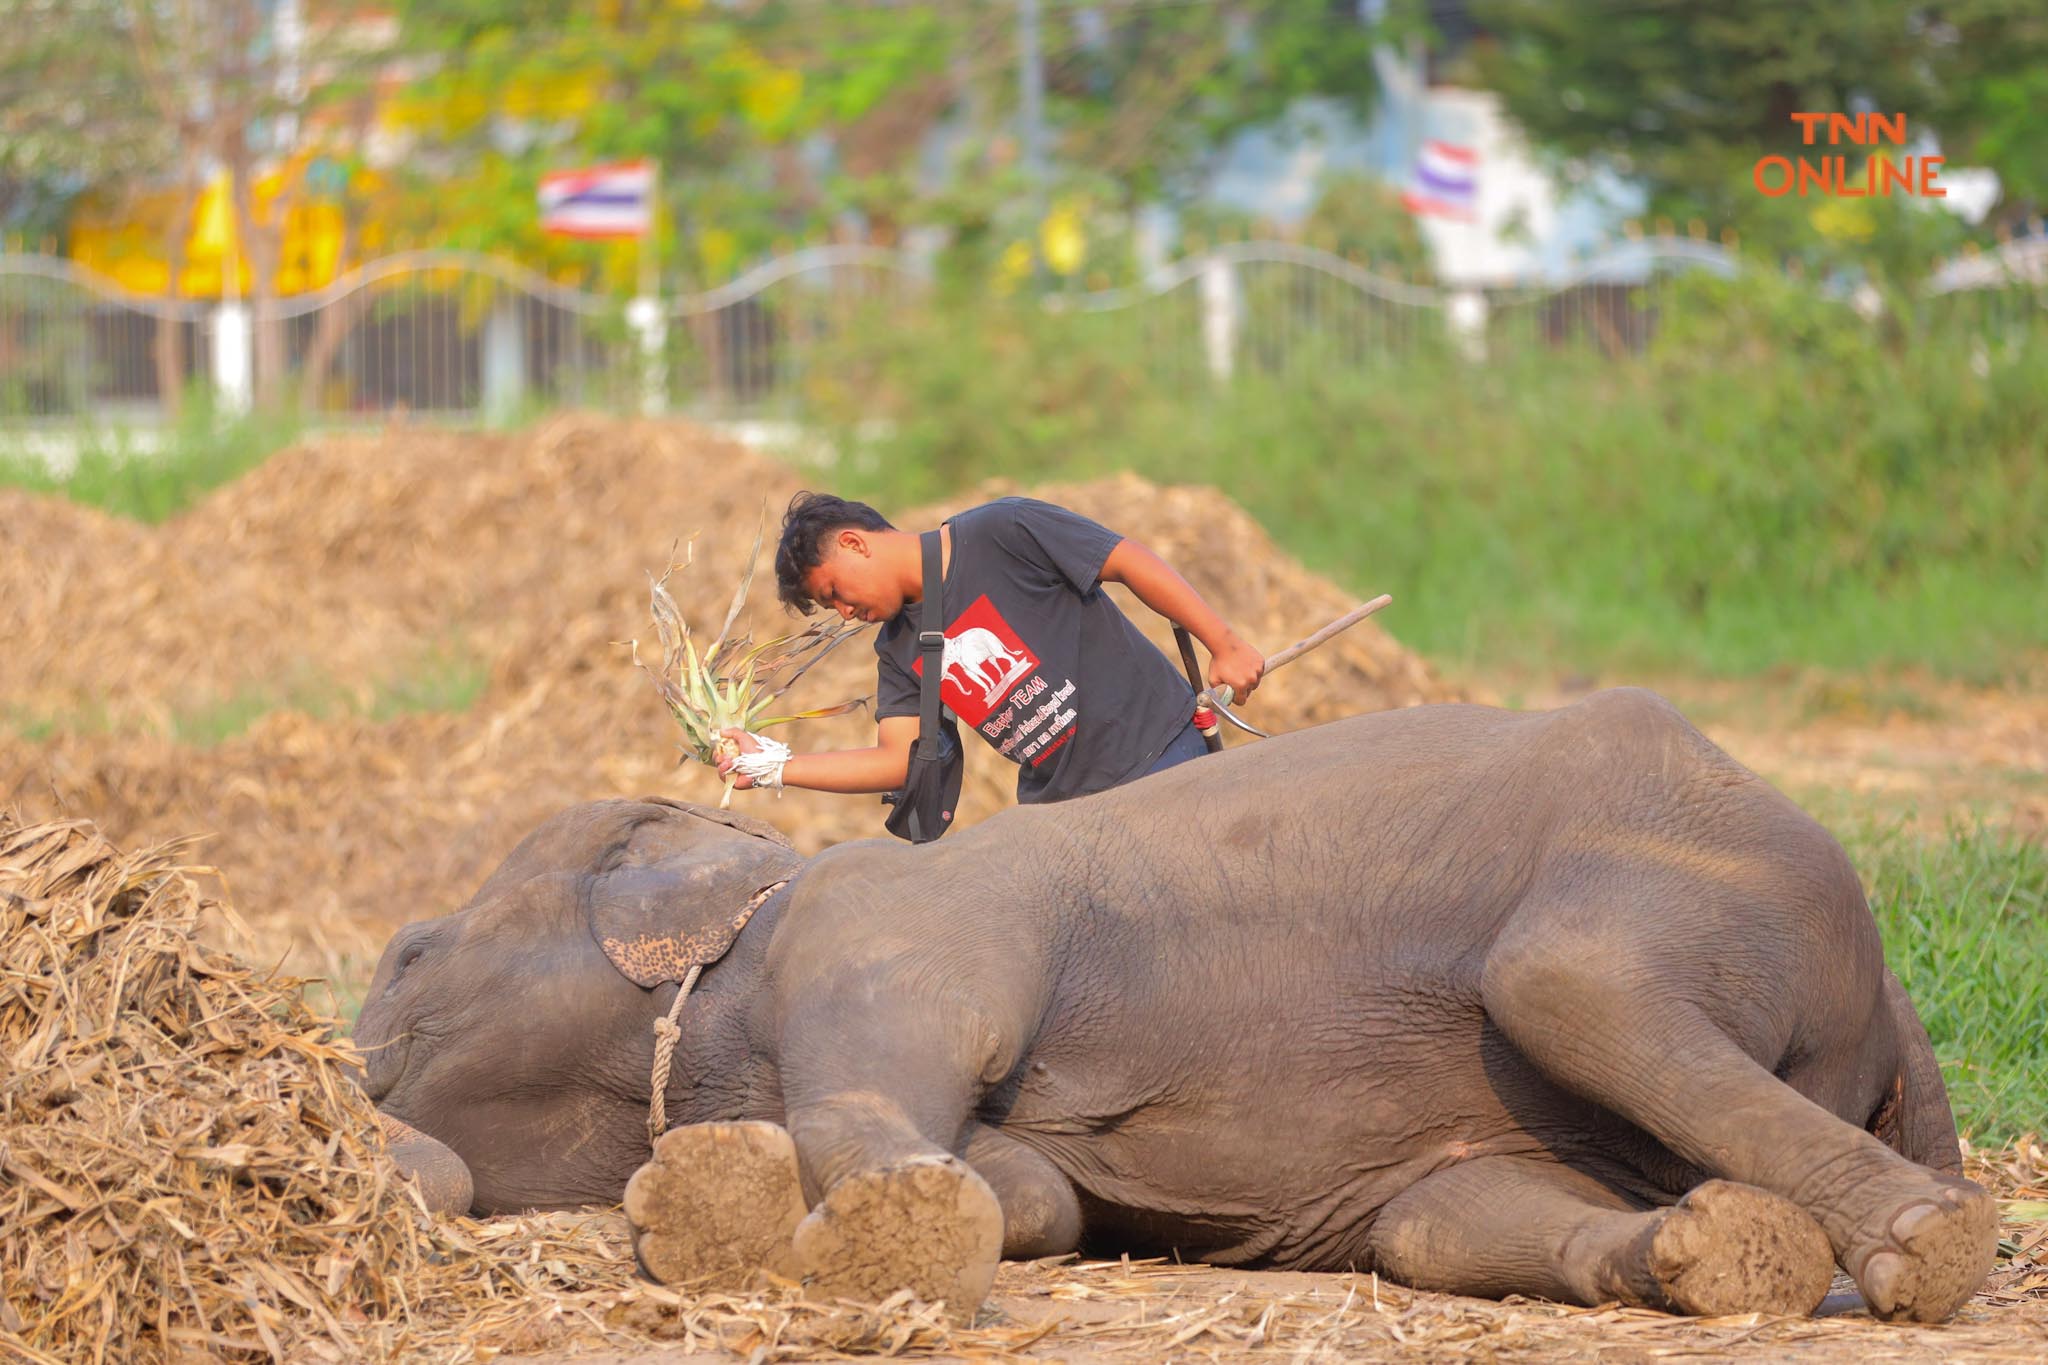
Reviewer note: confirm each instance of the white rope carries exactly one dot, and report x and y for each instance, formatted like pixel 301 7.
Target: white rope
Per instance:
pixel 764 766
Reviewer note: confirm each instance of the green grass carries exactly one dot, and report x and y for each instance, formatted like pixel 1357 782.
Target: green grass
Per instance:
pixel 1773 482
pixel 117 472
pixel 443 679
pixel 1965 926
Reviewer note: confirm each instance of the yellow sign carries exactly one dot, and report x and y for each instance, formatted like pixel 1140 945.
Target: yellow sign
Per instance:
pixel 127 242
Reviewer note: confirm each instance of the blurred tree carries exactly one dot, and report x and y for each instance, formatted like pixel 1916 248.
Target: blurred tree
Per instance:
pixel 127 100
pixel 774 118
pixel 1687 97
pixel 74 120
pixel 1145 94
pixel 1363 218
pixel 60 132
pixel 1141 99
pixel 724 98
pixel 1996 118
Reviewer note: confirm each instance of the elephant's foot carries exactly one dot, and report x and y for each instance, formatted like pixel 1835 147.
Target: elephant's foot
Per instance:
pixel 929 1225
pixel 1729 1248
pixel 718 1203
pixel 1932 1252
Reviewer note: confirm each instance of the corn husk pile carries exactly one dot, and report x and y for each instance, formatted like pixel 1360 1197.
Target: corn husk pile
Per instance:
pixel 189 1173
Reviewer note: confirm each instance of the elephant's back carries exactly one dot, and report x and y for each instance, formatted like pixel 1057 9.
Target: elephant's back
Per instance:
pixel 1427 806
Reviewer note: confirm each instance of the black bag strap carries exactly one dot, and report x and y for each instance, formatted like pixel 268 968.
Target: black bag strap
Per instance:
pixel 931 647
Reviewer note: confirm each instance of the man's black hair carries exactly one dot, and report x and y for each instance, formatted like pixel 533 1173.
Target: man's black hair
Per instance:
pixel 809 522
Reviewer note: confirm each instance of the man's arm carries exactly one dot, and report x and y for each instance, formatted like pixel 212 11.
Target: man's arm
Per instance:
pixel 1153 581
pixel 878 769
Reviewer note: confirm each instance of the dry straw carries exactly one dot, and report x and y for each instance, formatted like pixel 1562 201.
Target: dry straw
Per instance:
pixel 190 1173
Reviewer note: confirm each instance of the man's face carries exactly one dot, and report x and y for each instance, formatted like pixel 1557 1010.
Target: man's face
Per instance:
pixel 850 580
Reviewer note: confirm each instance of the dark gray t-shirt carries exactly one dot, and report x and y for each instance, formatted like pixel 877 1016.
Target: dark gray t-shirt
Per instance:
pixel 1038 659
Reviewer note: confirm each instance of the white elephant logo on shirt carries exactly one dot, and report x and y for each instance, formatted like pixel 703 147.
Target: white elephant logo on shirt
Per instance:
pixel 978 660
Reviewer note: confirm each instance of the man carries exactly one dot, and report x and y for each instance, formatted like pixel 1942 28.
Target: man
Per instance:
pixel 1037 658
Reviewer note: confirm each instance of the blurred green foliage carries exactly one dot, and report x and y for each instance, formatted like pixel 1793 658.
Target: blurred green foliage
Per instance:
pixel 1772 481
pixel 721 97
pixel 771 122
pixel 1687 97
pixel 1362 219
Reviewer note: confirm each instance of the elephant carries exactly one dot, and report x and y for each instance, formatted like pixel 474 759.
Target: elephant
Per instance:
pixel 983 663
pixel 1561 1003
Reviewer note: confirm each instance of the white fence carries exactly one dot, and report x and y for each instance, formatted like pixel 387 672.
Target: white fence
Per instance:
pixel 473 337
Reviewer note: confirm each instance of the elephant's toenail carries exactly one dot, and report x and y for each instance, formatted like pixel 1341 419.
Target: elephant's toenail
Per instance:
pixel 1911 1221
pixel 1880 1280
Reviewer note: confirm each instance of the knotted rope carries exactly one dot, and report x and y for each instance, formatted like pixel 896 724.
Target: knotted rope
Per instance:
pixel 667 1032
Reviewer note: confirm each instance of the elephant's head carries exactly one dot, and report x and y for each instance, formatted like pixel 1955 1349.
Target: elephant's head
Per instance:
pixel 512 1040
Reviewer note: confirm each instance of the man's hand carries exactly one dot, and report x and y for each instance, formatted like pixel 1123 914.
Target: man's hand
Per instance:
pixel 746 744
pixel 1238 666
pixel 1153 582
pixel 880 769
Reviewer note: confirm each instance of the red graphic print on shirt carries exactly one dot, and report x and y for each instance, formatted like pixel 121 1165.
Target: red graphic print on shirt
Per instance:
pixel 984 660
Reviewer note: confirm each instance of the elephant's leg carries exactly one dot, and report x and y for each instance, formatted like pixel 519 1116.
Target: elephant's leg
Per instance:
pixel 1515 1225
pixel 716 1203
pixel 1041 1216
pixel 1582 998
pixel 877 1095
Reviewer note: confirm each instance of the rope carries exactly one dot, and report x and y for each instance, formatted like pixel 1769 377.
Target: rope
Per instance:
pixel 668 1032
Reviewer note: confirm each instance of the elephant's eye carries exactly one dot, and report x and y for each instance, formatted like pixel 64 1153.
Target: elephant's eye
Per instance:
pixel 406 959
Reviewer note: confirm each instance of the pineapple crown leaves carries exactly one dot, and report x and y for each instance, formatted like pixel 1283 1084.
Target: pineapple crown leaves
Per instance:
pixel 735 682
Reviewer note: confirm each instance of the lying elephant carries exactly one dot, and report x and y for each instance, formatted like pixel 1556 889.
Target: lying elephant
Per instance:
pixel 1564 1003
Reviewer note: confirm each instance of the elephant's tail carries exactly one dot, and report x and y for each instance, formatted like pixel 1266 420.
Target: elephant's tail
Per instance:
pixel 1914 1118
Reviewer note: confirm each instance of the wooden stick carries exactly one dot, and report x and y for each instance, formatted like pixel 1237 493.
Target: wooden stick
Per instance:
pixel 1342 623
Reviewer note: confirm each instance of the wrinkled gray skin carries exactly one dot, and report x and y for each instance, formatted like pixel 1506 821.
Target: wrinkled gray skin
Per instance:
pixel 1424 990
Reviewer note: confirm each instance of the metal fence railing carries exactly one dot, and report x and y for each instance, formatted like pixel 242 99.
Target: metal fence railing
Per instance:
pixel 472 337
pixel 443 332
pixel 73 344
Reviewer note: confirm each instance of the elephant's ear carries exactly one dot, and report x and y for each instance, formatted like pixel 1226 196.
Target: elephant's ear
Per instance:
pixel 679 884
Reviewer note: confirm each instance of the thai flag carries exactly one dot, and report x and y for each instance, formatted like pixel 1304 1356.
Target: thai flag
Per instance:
pixel 601 201
pixel 1446 182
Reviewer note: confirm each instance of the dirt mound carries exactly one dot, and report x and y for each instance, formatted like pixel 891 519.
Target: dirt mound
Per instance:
pixel 322 585
pixel 343 561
